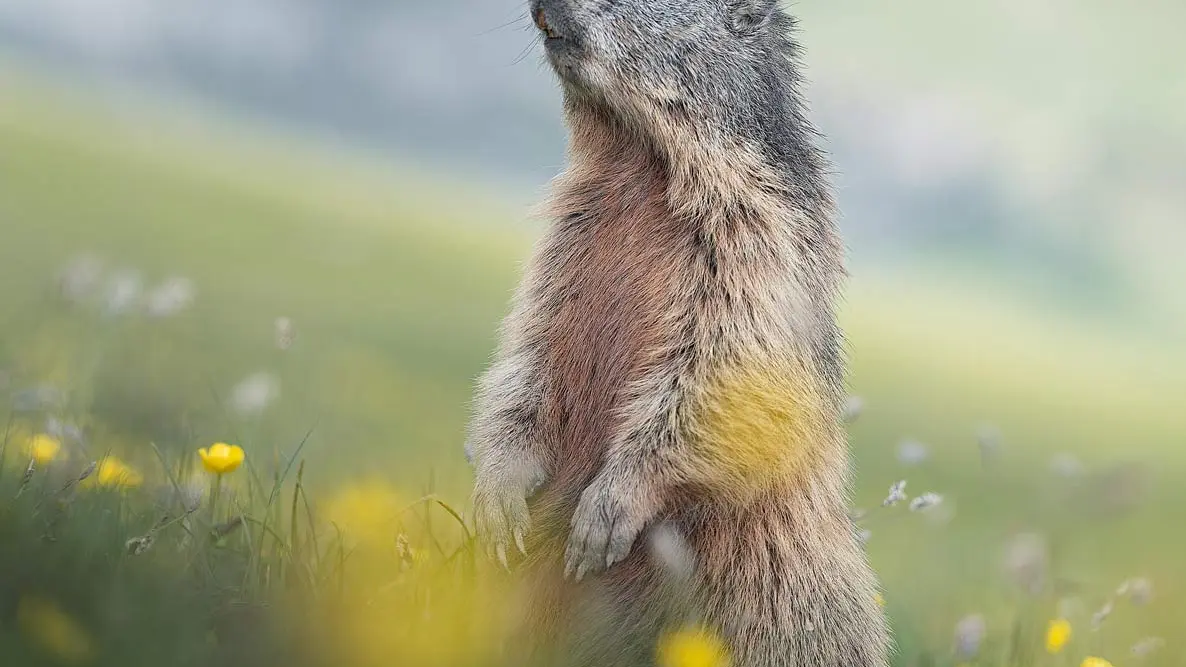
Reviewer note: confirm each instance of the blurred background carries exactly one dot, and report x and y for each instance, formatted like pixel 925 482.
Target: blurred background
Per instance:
pixel 276 221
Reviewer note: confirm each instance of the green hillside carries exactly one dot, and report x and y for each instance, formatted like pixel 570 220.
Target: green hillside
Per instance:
pixel 396 285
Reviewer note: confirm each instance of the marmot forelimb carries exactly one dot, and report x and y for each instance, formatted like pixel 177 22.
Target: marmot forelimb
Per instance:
pixel 672 355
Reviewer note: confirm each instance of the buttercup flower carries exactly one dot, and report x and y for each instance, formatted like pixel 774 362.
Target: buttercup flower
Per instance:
pixel 1095 662
pixel 43 448
pixel 45 624
pixel 114 472
pixel 1058 633
pixel 879 599
pixel 221 458
pixel 692 648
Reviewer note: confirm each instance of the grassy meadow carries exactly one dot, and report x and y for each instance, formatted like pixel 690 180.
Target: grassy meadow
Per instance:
pixel 166 285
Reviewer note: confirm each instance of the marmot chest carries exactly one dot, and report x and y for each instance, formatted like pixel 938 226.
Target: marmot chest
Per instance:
pixel 619 280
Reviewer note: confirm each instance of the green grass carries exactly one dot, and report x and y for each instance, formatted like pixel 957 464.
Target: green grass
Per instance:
pixel 396 286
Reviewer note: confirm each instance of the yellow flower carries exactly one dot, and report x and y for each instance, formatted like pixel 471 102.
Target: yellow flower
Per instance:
pixel 1095 662
pixel 692 648
pixel 1057 635
pixel 366 512
pixel 879 599
pixel 53 631
pixel 221 458
pixel 114 472
pixel 43 448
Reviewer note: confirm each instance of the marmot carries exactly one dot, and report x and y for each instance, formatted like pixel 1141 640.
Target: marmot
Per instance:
pixel 672 354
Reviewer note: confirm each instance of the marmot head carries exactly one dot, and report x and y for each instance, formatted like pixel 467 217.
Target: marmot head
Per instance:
pixel 716 59
pixel 712 75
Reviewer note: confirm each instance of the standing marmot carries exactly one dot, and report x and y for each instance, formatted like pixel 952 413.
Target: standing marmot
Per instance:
pixel 672 354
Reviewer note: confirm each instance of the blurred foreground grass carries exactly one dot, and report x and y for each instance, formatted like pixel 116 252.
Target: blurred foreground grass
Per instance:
pixel 385 292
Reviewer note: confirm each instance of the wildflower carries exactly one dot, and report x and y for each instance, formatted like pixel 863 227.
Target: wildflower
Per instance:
pixel 1095 662
pixel 988 437
pixel 80 277
pixel 285 333
pixel 912 452
pixel 122 292
pixel 221 458
pixel 115 473
pixel 53 631
pixel 1066 465
pixel 44 448
pixel 365 512
pixel 925 502
pixel 1026 561
pixel 969 634
pixel 692 648
pixel 853 408
pixel 1139 591
pixel 1147 647
pixel 897 493
pixel 39 398
pixel 1098 618
pixel 1070 607
pixel 171 297
pixel 255 393
pixel 1058 633
pixel 879 599
pixel 63 430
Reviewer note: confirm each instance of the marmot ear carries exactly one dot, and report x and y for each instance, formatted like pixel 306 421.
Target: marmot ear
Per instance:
pixel 748 16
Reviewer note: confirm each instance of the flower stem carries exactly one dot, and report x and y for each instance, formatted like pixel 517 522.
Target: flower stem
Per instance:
pixel 214 493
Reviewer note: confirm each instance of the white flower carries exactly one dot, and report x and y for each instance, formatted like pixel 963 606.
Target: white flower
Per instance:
pixel 80 277
pixel 1098 618
pixel 171 297
pixel 854 406
pixel 1138 590
pixel 989 439
pixel 1066 465
pixel 969 634
pixel 912 452
pixel 1147 646
pixel 122 292
pixel 897 493
pixel 925 502
pixel 285 333
pixel 255 393
pixel 1026 561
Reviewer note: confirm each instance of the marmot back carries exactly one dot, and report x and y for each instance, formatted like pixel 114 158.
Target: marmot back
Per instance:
pixel 672 365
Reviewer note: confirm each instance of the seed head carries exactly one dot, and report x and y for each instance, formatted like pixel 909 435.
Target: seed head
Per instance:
pixel 139 545
pixel 925 502
pixel 897 494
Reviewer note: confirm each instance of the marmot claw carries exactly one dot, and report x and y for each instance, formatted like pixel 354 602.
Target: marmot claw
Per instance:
pixel 604 527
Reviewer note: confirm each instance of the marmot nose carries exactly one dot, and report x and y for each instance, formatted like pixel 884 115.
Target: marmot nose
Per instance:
pixel 545 18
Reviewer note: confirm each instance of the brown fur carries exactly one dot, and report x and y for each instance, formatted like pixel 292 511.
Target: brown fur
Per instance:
pixel 672 358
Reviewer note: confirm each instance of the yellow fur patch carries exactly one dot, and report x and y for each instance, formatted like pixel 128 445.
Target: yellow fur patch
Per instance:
pixel 758 426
